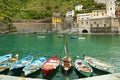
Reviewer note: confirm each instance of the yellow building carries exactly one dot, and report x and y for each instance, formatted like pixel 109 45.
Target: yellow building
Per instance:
pixel 56 20
pixel 99 13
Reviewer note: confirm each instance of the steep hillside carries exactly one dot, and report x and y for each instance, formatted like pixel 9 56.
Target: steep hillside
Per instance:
pixel 37 9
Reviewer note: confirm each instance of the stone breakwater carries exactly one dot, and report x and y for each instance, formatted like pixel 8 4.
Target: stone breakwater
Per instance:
pixel 33 27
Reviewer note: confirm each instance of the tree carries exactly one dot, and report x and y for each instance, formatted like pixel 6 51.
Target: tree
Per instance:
pixel 9 9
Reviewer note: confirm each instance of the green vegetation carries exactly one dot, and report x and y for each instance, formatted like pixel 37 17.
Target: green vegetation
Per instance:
pixel 11 10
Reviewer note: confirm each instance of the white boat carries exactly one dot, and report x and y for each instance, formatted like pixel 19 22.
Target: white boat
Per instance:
pixel 34 66
pixel 40 37
pixel 99 65
pixel 81 38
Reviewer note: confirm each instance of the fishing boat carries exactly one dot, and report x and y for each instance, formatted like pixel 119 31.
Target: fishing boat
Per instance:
pixel 18 65
pixel 83 68
pixel 50 65
pixel 60 36
pixel 5 57
pixel 66 60
pixel 99 65
pixel 5 65
pixel 34 66
pixel 74 37
pixel 6 62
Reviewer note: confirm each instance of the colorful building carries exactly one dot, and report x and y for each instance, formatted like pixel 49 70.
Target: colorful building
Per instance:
pixel 56 20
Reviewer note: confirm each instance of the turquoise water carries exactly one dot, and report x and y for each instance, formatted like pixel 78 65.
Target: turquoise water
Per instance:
pixel 103 47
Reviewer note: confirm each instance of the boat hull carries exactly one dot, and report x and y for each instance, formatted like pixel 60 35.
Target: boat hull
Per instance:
pixel 16 70
pixel 34 66
pixel 100 71
pixel 69 71
pixel 20 64
pixel 98 65
pixel 83 74
pixel 50 65
pixel 83 68
pixel 51 74
pixel 28 72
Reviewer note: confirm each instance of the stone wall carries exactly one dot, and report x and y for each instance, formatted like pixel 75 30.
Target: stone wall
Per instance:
pixel 33 27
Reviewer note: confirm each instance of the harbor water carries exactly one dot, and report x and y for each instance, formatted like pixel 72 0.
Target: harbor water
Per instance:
pixel 105 47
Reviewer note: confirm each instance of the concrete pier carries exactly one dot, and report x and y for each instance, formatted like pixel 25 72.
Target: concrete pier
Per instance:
pixel 7 77
pixel 114 76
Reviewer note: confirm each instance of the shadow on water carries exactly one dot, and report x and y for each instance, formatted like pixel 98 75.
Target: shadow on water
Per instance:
pixel 57 74
pixel 99 72
pixel 69 71
pixel 16 72
pixel 6 72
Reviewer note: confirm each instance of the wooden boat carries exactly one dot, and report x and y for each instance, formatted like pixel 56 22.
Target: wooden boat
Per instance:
pixel 60 36
pixel 5 57
pixel 74 37
pixel 99 65
pixel 18 65
pixel 50 65
pixel 66 60
pixel 5 65
pixel 6 62
pixel 83 68
pixel 34 66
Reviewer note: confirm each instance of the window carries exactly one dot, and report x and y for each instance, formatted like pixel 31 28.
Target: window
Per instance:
pixel 110 8
pixel 82 23
pixel 94 22
pixel 104 25
pixel 86 22
pixel 102 13
pixel 91 25
pixel 97 25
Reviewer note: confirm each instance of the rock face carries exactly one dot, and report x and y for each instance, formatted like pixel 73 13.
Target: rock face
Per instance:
pixel 3 27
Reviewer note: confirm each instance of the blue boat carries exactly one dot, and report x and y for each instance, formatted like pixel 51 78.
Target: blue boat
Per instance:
pixel 34 66
pixel 18 65
pixel 5 65
pixel 5 57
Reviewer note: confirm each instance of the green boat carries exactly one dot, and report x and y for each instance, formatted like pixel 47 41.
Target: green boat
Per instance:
pixel 83 68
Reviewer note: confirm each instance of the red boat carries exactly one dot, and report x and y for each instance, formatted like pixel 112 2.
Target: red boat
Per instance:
pixel 50 65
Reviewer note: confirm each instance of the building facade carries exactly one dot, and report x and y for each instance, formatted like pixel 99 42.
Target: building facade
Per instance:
pixel 83 23
pixel 70 13
pixel 110 8
pixel 78 7
pixel 99 13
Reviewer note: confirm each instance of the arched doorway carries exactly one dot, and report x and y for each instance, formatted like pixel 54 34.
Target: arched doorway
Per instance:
pixel 84 31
